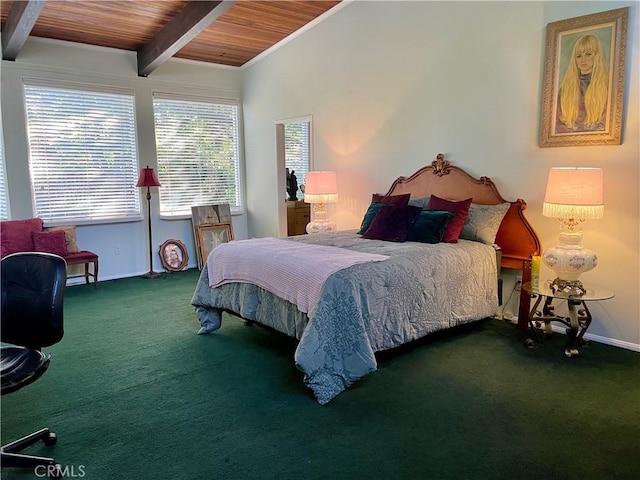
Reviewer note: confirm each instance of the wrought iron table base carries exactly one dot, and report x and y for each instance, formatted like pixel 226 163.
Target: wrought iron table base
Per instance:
pixel 577 323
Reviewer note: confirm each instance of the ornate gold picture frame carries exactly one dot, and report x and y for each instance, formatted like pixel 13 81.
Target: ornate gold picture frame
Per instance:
pixel 174 256
pixel 583 88
pixel 210 236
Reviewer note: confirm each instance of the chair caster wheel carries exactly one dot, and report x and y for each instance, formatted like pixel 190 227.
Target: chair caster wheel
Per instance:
pixel 529 343
pixel 50 440
pixel 571 352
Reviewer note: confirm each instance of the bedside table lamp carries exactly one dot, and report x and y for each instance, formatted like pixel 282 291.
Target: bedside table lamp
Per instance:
pixel 148 179
pixel 573 195
pixel 320 188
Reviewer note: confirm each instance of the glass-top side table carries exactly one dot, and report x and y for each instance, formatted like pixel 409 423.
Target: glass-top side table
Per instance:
pixel 578 320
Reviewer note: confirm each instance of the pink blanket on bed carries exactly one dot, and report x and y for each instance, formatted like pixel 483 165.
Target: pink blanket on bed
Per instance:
pixel 291 270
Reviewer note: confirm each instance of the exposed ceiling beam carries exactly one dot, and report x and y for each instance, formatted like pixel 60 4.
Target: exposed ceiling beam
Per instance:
pixel 181 29
pixel 20 22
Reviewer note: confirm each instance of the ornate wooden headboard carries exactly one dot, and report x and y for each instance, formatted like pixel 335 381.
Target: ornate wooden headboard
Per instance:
pixel 516 237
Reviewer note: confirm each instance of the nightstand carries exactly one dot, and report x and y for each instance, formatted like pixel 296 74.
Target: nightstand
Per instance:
pixel 298 215
pixel 577 322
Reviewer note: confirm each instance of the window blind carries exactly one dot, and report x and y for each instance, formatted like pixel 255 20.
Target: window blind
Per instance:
pixel 198 153
pixel 296 149
pixel 82 153
pixel 4 193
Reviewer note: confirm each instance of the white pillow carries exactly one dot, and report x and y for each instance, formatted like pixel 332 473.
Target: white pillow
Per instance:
pixel 483 222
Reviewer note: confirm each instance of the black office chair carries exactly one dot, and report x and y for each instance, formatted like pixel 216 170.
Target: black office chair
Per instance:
pixel 32 298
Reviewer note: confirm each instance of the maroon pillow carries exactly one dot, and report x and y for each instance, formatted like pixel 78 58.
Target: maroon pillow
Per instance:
pixel 50 242
pixel 459 209
pixel 15 235
pixel 399 200
pixel 392 223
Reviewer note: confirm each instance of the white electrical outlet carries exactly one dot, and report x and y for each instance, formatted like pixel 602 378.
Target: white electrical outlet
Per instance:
pixel 518 282
pixel 116 250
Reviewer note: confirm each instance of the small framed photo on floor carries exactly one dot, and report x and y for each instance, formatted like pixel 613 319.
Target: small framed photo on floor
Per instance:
pixel 174 256
pixel 210 236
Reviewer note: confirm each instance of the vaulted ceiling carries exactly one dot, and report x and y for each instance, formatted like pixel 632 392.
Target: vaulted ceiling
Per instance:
pixel 221 32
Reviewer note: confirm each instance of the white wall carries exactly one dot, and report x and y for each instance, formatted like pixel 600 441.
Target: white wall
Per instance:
pixel 391 84
pixel 78 63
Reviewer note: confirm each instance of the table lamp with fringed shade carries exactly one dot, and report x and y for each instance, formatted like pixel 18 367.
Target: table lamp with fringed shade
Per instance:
pixel 573 195
pixel 148 179
pixel 320 188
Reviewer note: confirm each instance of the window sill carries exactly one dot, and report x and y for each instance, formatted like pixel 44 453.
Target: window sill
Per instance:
pixel 168 218
pixel 102 221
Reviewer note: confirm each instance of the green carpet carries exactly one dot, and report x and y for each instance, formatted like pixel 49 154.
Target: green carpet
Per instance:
pixel 134 393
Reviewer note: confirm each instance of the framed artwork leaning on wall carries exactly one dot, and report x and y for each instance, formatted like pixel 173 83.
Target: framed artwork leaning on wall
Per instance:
pixel 583 87
pixel 210 236
pixel 208 215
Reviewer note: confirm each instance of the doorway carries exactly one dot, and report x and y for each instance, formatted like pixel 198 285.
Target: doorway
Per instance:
pixel 294 149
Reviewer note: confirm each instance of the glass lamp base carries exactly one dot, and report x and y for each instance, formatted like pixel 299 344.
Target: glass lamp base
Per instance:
pixel 323 226
pixel 569 259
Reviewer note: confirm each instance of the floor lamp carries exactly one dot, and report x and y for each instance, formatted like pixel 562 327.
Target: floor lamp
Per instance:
pixel 148 179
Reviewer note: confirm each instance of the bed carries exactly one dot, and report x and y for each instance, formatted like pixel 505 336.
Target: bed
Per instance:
pixel 388 293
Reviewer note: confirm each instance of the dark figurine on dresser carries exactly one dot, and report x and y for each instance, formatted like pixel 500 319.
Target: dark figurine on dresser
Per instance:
pixel 292 186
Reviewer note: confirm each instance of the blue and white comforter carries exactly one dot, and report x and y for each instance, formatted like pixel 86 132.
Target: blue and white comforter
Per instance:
pixel 368 307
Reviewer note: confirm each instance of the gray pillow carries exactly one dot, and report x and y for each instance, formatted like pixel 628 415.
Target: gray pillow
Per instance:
pixel 483 222
pixel 419 202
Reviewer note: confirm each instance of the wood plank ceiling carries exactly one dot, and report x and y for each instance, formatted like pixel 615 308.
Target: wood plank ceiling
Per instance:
pixel 221 32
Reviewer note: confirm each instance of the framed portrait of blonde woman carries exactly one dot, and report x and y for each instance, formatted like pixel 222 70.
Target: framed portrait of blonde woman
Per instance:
pixel 210 236
pixel 583 86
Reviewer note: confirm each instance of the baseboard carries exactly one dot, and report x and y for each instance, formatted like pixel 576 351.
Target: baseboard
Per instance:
pixel 101 278
pixel 589 336
pixel 600 339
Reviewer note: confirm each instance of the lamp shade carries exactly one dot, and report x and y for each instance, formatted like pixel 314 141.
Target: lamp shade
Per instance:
pixel 321 187
pixel 148 178
pixel 574 193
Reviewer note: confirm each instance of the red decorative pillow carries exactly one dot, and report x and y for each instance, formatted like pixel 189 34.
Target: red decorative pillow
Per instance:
pixel 16 235
pixel 398 200
pixel 69 235
pixel 378 201
pixel 50 242
pixel 459 209
pixel 392 223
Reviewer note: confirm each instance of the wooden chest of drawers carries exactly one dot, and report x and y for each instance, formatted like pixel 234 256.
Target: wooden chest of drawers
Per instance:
pixel 298 214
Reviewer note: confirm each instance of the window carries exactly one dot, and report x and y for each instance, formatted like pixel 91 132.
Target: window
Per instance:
pixel 82 152
pixel 198 153
pixel 4 194
pixel 296 149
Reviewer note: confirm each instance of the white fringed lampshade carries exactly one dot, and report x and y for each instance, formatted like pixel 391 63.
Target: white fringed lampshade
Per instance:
pixel 320 188
pixel 573 195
